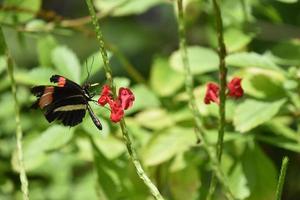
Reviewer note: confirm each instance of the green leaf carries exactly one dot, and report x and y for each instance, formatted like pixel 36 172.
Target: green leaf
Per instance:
pixel 144 98
pixel 155 119
pixel 201 60
pixel 45 46
pixel 125 7
pixel 161 77
pixel 54 137
pixel 236 39
pixel 37 76
pixel 288 52
pixel 252 113
pixel 35 148
pixel 237 180
pixel 67 63
pixel 108 175
pixel 260 173
pixel 265 84
pixel 12 17
pixel 184 184
pixel 250 59
pixel 164 145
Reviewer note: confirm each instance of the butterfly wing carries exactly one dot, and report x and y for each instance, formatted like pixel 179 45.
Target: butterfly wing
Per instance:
pixel 65 104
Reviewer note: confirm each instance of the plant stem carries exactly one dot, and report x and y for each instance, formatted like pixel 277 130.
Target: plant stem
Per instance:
pixel 19 133
pixel 189 84
pixel 284 165
pixel 130 148
pixel 222 81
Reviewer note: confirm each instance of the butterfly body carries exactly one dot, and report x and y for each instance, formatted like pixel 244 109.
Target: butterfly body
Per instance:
pixel 67 102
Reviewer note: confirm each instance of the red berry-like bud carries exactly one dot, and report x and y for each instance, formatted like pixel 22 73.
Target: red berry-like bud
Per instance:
pixel 235 88
pixel 212 93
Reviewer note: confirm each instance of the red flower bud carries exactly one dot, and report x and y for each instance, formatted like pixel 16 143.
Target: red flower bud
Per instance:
pixel 106 95
pixel 117 111
pixel 212 93
pixel 126 97
pixel 235 88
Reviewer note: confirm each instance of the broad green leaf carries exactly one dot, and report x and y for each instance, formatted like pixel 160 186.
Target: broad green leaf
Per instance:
pixel 54 137
pixel 252 113
pixel 144 98
pixel 67 63
pixel 45 46
pixel 237 180
pixel 236 39
pixel 84 188
pixel 250 59
pixel 166 144
pixel 12 17
pixel 288 52
pixel 163 79
pixel 155 119
pixel 35 148
pixel 125 7
pixel 110 146
pixel 185 183
pixel 265 84
pixel 260 173
pixel 201 60
pixel 36 76
pixel 108 175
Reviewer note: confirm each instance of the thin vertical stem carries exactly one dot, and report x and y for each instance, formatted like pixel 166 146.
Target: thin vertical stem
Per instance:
pixel 284 165
pixel 222 81
pixel 19 133
pixel 189 85
pixel 130 148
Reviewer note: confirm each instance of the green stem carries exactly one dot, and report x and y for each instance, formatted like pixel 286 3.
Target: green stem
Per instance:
pixel 189 85
pixel 222 81
pixel 19 133
pixel 131 150
pixel 284 165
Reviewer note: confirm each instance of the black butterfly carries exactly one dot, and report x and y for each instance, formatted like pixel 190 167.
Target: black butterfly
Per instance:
pixel 67 102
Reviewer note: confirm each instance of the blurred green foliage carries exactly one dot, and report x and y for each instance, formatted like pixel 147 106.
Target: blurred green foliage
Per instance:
pixel 54 37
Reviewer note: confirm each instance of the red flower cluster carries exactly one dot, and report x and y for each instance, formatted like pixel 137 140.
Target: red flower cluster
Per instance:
pixel 122 102
pixel 235 90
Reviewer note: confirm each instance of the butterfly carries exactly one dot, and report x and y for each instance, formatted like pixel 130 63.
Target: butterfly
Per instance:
pixel 66 102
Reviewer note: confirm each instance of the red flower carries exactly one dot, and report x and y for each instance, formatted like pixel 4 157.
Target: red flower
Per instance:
pixel 126 98
pixel 117 106
pixel 235 88
pixel 212 93
pixel 117 111
pixel 106 95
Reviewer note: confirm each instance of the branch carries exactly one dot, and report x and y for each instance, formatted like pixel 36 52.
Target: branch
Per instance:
pixel 130 148
pixel 222 80
pixel 189 84
pixel 19 134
